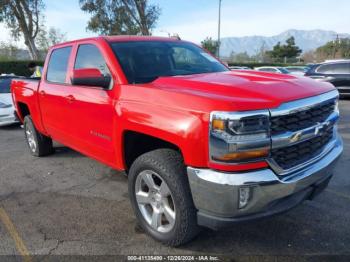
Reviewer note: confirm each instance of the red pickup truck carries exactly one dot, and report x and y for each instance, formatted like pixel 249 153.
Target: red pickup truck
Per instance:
pixel 201 145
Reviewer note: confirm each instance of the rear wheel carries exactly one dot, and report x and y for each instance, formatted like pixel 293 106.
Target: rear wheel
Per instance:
pixel 161 197
pixel 39 145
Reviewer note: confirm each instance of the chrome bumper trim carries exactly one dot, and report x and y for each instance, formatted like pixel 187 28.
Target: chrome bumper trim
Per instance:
pixel 217 193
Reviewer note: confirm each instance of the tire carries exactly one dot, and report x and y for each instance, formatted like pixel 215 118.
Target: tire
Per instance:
pixel 38 144
pixel 177 226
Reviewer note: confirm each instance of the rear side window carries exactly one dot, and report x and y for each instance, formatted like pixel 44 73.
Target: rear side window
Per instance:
pixel 340 68
pixel 58 65
pixel 5 85
pixel 325 69
pixel 89 56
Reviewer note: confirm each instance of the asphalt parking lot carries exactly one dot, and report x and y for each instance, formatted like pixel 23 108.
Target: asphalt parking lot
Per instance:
pixel 68 204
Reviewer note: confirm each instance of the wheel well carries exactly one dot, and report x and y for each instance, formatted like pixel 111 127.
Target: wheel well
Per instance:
pixel 23 110
pixel 136 144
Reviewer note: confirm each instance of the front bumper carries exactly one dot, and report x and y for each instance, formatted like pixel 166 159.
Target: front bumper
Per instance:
pixel 8 117
pixel 216 194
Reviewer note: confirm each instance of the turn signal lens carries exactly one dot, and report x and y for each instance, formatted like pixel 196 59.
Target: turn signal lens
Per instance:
pixel 218 124
pixel 237 156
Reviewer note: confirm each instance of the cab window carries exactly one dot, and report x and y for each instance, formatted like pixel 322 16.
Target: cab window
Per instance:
pixel 58 65
pixel 89 56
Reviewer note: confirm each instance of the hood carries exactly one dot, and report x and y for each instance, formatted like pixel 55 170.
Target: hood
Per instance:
pixel 246 89
pixel 6 99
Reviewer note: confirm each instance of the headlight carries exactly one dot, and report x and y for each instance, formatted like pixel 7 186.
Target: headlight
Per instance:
pixel 239 137
pixel 2 105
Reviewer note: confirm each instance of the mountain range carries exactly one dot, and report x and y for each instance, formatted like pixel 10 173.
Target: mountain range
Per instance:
pixel 306 39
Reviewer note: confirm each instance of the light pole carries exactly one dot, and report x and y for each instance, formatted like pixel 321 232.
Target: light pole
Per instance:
pixel 219 27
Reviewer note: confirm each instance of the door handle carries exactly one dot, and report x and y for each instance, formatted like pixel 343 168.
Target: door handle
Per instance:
pixel 42 93
pixel 70 98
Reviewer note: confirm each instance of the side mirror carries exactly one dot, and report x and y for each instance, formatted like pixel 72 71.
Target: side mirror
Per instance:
pixel 90 77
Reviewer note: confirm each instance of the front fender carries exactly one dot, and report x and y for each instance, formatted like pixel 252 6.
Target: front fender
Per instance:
pixel 187 130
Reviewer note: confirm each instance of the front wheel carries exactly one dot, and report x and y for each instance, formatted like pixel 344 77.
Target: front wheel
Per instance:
pixel 161 197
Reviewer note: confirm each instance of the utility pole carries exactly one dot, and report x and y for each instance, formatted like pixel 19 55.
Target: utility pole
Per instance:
pixel 219 27
pixel 335 42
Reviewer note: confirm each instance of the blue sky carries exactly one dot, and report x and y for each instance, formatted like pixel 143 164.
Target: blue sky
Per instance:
pixel 195 19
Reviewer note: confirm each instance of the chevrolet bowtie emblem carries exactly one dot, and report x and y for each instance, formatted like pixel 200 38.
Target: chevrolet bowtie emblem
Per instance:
pixel 320 128
pixel 296 137
pixel 316 131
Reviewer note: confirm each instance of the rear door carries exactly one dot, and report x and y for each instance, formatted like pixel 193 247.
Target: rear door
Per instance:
pixel 92 110
pixel 339 73
pixel 54 95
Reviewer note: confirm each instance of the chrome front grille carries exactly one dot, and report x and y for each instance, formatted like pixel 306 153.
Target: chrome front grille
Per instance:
pixel 302 119
pixel 301 131
pixel 291 156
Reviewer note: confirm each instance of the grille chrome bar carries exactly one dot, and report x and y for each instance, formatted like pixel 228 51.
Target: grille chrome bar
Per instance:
pixel 303 104
pixel 283 172
pixel 290 138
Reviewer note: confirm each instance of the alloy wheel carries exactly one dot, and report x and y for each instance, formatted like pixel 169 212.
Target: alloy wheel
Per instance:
pixel 30 139
pixel 155 201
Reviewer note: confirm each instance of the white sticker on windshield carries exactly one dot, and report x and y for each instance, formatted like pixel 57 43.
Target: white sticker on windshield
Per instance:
pixel 209 57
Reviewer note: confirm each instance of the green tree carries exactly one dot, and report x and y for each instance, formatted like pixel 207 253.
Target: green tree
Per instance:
pixel 241 58
pixel 121 17
pixel 339 48
pixel 22 17
pixel 309 57
pixel 47 38
pixel 8 51
pixel 210 45
pixel 288 50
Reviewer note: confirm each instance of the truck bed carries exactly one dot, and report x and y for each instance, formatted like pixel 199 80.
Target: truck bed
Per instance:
pixel 24 93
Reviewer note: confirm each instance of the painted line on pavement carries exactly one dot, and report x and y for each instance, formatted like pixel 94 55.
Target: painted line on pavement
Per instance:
pixel 21 248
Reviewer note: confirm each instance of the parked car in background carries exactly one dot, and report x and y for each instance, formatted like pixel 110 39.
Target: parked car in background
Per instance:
pixel 239 68
pixel 297 70
pixel 272 69
pixel 334 72
pixel 7 110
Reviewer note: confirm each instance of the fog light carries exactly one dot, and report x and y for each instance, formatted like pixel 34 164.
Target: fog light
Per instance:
pixel 244 196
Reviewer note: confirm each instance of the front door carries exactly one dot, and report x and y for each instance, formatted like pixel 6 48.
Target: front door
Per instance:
pixel 92 110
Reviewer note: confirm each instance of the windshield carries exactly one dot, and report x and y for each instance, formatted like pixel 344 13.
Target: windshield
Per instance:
pixel 145 61
pixel 5 85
